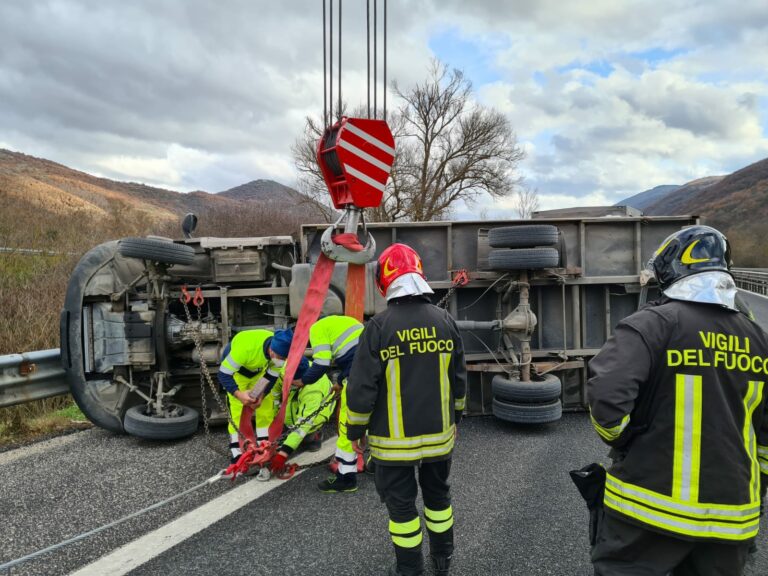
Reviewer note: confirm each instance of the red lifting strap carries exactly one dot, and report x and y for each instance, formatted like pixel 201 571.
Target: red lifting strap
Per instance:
pixel 348 240
pixel 308 315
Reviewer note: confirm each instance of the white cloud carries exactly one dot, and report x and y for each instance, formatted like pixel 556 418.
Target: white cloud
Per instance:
pixel 609 98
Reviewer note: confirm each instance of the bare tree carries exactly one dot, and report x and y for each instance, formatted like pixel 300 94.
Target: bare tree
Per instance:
pixel 526 201
pixel 448 149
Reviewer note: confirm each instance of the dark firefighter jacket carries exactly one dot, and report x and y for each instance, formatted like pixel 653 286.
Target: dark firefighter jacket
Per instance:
pixel 679 390
pixel 407 379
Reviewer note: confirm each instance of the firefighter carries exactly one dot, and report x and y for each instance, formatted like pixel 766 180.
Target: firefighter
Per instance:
pixel 249 369
pixel 678 392
pixel 302 402
pixel 334 341
pixel 407 390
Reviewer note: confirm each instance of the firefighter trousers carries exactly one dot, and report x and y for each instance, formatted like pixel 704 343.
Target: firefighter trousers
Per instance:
pixel 397 488
pixel 624 549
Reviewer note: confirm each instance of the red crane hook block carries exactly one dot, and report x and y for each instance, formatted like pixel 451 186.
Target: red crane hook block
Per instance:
pixel 355 156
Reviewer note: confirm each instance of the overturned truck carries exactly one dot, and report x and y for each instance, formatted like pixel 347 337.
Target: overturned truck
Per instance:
pixel 145 319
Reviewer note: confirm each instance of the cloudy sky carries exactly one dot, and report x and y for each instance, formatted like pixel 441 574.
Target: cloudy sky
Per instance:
pixel 608 98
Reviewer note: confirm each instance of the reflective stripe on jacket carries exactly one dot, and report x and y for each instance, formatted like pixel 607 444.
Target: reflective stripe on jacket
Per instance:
pixel 246 357
pixel 407 380
pixel 680 390
pixel 332 337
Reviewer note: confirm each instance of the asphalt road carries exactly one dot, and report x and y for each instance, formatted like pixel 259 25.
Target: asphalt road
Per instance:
pixel 516 510
pixel 759 305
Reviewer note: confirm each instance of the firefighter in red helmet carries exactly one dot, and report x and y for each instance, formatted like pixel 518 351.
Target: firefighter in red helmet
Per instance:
pixel 407 390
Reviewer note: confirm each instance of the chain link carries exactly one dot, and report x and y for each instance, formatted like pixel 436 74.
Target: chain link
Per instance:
pixel 205 376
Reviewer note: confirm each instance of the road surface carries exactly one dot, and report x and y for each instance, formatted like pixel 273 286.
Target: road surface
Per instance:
pixel 516 510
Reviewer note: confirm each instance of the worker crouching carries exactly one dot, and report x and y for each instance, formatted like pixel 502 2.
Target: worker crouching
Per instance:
pixel 408 399
pixel 302 415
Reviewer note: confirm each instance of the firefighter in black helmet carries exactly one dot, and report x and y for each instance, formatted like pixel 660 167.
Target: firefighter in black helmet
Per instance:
pixel 679 392
pixel 407 389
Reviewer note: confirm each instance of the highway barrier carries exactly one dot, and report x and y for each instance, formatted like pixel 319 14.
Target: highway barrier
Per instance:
pixel 752 279
pixel 31 376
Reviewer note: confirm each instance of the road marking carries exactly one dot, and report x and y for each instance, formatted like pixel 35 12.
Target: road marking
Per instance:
pixel 144 549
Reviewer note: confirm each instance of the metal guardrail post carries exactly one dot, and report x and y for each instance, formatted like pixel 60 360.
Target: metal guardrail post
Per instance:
pixel 31 376
pixel 752 280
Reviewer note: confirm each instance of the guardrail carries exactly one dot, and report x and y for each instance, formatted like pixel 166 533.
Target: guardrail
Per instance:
pixel 751 279
pixel 31 376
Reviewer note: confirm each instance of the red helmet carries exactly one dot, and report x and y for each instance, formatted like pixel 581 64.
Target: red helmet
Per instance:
pixel 395 261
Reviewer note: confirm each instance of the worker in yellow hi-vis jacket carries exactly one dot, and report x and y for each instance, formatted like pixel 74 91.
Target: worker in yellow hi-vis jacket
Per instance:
pixel 334 340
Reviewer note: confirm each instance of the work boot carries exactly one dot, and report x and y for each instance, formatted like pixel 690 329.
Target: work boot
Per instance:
pixel 339 483
pixel 313 442
pixel 441 565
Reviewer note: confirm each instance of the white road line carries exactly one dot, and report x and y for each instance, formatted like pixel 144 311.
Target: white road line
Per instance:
pixel 144 549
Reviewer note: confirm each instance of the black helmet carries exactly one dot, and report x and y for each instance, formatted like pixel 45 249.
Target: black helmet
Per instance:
pixel 690 251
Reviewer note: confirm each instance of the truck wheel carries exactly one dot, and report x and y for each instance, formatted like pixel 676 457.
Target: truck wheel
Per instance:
pixel 526 236
pixel 523 259
pixel 546 389
pixel 179 423
pixel 156 250
pixel 100 399
pixel 527 413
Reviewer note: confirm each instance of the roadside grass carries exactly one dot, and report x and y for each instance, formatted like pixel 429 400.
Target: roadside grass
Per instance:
pixel 26 423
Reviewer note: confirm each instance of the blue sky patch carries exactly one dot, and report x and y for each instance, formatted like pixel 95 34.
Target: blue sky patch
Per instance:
pixel 474 56
pixel 657 55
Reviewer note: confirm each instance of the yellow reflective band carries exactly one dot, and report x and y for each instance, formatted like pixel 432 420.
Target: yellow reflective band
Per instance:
pixel 610 433
pixel 394 402
pixel 445 360
pixel 686 258
pixel 409 541
pixel 411 454
pixel 680 525
pixel 357 418
pixel 687 456
pixel 405 527
pixel 411 441
pixel 704 511
pixel 439 527
pixel 751 401
pixel 438 515
pixel 460 403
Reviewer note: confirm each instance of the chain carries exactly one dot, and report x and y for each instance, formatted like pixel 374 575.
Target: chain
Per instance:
pixel 461 278
pixel 205 376
pixel 443 303
pixel 327 401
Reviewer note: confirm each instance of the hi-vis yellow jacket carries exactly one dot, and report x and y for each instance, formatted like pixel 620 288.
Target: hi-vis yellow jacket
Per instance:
pixel 408 383
pixel 680 390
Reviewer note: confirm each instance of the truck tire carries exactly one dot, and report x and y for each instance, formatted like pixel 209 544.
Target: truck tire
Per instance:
pixel 523 259
pixel 138 423
pixel 101 408
pixel 546 389
pixel 526 236
pixel 156 250
pixel 527 413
